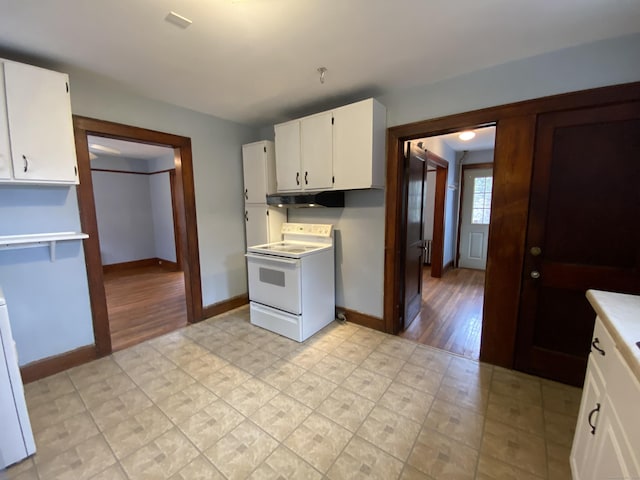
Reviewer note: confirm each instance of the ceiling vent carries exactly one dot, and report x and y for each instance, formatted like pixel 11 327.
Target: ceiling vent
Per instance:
pixel 178 20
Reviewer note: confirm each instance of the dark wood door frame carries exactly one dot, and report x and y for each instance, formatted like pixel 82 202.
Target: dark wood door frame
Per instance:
pixel 184 207
pixel 471 166
pixel 513 161
pixel 437 243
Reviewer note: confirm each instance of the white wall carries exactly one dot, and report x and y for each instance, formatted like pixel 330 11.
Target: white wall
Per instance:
pixel 429 207
pixel 476 156
pixel 162 216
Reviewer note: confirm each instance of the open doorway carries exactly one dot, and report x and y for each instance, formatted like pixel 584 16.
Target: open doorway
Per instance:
pixel 134 195
pixel 179 176
pixel 455 227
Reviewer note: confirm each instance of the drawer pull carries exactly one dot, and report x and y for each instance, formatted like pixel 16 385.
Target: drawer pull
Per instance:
pixel 591 413
pixel 595 343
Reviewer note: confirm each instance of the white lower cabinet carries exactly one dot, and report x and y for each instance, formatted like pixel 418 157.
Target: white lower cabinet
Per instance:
pixel 605 445
pixel 263 224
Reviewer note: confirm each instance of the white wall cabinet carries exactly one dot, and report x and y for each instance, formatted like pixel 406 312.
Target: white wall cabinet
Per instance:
pixel 340 149
pixel 262 222
pixel 304 154
pixel 37 112
pixel 259 169
pixel 608 427
pixel 359 139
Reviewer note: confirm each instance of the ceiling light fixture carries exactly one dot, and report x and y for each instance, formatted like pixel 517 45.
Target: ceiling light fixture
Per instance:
pixel 322 71
pixel 467 135
pixel 178 20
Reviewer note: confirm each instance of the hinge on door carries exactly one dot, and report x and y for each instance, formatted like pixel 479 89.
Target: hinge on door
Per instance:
pixel 333 179
pixel 332 120
pixel 265 149
pixel 75 169
pixel 67 85
pixel 267 213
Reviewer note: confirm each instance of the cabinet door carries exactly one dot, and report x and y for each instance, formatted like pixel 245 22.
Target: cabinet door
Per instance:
pixel 257 226
pixel 254 167
pixel 5 151
pixel 40 125
pixel 288 156
pixel 613 456
pixel 317 151
pixel 352 144
pixel 584 440
pixel 276 217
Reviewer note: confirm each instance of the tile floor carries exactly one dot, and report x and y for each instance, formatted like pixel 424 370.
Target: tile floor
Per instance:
pixel 225 399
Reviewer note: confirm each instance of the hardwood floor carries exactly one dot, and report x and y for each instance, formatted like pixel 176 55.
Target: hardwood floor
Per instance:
pixel 143 303
pixel 451 315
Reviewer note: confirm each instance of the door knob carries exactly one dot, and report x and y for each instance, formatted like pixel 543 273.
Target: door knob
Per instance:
pixel 535 251
pixel 535 274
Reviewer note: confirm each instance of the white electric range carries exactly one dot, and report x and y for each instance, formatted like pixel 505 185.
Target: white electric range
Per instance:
pixel 292 282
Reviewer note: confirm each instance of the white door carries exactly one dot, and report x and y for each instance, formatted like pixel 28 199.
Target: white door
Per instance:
pixel 316 135
pixel 254 167
pixel 40 125
pixel 474 222
pixel 288 156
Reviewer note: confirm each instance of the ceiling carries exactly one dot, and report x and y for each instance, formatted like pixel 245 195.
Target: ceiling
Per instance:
pixel 255 61
pixel 484 140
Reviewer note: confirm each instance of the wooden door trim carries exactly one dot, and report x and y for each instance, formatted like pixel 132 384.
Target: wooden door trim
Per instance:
pixel 513 159
pixel 185 208
pixel 473 166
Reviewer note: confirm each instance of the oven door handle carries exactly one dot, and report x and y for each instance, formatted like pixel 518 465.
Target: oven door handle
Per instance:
pixel 273 259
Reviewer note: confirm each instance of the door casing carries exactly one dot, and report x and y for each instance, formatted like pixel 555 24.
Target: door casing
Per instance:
pixel 184 209
pixel 513 160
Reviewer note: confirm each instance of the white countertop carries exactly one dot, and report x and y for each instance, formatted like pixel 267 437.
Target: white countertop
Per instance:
pixel 620 314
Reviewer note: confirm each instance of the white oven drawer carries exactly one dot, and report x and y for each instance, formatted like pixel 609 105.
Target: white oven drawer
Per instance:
pixel 275 281
pixel 285 324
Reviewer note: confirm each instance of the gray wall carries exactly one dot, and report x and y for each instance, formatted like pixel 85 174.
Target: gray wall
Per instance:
pixel 588 66
pixel 124 214
pixel 49 302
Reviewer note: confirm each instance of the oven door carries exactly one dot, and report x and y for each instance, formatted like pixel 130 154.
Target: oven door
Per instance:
pixel 275 281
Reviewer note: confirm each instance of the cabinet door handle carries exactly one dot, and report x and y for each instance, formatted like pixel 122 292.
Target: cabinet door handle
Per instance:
pixel 306 181
pixel 246 194
pixel 246 215
pixel 595 343
pixel 26 163
pixel 297 178
pixel 591 413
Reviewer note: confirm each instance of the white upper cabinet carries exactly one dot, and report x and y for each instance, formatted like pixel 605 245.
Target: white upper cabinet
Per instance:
pixel 317 151
pixel 340 149
pixel 288 156
pixel 258 165
pixel 359 137
pixel 38 113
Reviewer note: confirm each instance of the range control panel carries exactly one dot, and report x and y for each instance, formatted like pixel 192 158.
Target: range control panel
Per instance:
pixel 315 229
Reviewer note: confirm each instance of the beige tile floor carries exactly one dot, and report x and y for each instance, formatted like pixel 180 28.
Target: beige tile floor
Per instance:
pixel 225 399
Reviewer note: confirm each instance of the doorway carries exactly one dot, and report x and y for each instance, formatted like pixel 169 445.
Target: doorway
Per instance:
pixel 444 307
pixel 183 197
pixel 134 194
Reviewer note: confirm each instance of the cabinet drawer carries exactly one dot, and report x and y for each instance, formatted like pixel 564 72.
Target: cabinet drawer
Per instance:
pixel 603 348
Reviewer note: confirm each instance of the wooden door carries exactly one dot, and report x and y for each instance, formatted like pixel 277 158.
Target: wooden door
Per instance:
pixel 583 233
pixel 474 220
pixel 415 176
